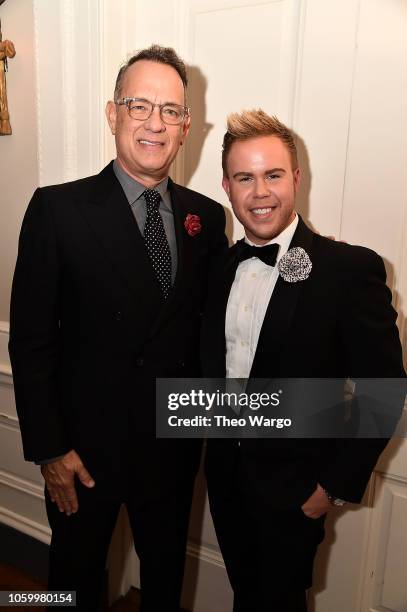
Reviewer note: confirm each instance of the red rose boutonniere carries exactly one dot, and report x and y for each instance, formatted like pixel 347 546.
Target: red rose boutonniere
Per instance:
pixel 192 224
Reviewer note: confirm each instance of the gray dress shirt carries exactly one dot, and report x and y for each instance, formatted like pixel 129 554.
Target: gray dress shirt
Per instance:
pixel 133 191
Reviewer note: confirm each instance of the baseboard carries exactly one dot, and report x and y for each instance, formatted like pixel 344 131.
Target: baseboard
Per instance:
pixel 24 552
pixel 25 525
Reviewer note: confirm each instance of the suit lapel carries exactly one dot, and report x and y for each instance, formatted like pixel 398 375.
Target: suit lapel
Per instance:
pixel 213 337
pixel 280 310
pixel 185 258
pixel 110 217
pixel 184 242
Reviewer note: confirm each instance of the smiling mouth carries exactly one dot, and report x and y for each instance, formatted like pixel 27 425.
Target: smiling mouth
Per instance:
pixel 150 143
pixel 261 212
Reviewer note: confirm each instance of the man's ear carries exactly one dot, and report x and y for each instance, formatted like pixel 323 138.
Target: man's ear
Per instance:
pixel 111 116
pixel 226 186
pixel 297 179
pixel 185 128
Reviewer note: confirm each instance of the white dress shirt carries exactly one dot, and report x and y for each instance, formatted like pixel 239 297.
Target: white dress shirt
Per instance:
pixel 248 301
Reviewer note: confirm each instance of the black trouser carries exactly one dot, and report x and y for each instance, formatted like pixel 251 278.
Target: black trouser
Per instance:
pixel 268 553
pixel 80 543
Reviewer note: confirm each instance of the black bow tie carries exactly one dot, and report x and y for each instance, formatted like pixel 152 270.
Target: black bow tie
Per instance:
pixel 267 254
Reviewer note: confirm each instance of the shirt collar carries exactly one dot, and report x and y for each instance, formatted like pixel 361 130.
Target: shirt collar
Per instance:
pixel 283 239
pixel 133 190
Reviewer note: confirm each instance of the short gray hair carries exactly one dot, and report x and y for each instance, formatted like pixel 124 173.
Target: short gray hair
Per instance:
pixel 155 53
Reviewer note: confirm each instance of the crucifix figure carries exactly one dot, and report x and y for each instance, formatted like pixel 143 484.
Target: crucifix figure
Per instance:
pixel 7 50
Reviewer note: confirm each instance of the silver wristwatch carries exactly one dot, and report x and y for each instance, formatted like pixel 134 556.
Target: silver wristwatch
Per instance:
pixel 335 501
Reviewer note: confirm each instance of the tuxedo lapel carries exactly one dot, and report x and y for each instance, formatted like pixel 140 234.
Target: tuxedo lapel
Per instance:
pixel 280 311
pixel 110 217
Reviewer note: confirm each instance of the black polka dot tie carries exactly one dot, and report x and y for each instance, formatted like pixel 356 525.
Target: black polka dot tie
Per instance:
pixel 156 241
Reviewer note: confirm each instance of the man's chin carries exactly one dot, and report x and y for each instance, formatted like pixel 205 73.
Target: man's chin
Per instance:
pixel 155 168
pixel 261 237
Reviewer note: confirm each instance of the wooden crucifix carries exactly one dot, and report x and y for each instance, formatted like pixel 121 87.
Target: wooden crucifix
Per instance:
pixel 7 50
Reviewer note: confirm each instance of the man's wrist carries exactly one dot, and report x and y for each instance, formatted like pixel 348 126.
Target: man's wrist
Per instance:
pixel 333 500
pixel 46 461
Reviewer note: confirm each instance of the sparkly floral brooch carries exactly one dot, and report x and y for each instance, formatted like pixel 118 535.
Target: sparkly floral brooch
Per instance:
pixel 192 224
pixel 295 265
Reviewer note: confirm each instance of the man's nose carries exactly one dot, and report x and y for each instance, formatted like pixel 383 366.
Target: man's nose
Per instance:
pixel 154 123
pixel 261 189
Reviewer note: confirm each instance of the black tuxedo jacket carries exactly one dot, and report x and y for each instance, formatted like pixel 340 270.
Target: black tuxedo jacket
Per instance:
pixel 89 330
pixel 338 323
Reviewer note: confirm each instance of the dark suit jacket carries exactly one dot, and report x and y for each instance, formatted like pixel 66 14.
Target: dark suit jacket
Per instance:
pixel 338 323
pixel 89 331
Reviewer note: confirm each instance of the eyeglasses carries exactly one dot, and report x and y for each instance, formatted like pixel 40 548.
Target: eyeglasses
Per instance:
pixel 140 109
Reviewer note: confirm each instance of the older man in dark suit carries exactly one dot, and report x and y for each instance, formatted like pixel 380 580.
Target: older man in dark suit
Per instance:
pixel 284 303
pixel 107 295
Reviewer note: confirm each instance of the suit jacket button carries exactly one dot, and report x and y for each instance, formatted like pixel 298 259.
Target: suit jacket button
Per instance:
pixel 118 315
pixel 139 362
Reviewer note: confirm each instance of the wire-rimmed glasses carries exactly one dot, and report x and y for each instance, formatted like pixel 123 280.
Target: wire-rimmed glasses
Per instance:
pixel 141 109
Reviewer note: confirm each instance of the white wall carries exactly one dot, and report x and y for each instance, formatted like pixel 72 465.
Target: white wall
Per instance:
pixel 21 497
pixel 18 152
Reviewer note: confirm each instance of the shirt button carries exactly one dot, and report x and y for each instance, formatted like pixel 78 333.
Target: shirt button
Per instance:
pixel 254 274
pixel 246 308
pixel 139 362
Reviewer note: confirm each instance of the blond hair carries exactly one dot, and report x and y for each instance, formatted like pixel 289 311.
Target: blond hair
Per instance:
pixel 252 124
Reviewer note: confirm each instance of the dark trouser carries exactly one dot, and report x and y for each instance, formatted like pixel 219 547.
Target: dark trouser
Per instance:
pixel 268 553
pixel 80 543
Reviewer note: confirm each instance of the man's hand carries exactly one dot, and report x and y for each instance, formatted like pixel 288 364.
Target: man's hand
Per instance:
pixel 316 505
pixel 59 477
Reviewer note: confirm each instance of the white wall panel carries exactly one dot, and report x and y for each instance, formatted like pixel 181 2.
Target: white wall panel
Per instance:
pixel 70 119
pixel 23 510
pixel 21 485
pixel 322 108
pixel 11 455
pixel 385 576
pixel 18 152
pixel 375 199
pixel 117 41
pixel 240 56
pixel 49 98
pixel 339 565
pixel 394 595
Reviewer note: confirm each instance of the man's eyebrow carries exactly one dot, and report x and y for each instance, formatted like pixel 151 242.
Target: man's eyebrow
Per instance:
pixel 168 102
pixel 242 173
pixel 274 170
pixel 171 103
